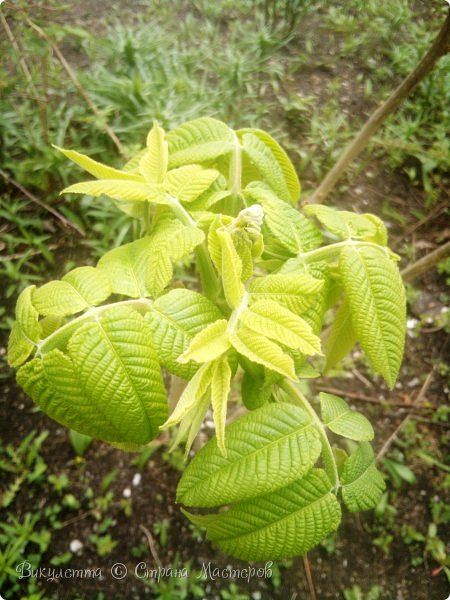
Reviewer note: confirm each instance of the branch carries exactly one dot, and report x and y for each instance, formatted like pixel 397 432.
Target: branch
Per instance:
pixel 426 263
pixel 439 48
pixel 78 85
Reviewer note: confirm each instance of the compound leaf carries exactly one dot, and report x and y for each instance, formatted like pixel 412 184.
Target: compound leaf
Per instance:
pixel 199 140
pixel 295 292
pixel 98 169
pixel 153 162
pixel 220 388
pixel 362 483
pixel 274 321
pixel 263 351
pixel 283 523
pixel 341 419
pixel 175 319
pixel 281 158
pixel 266 449
pixel 25 331
pixel 79 289
pixel 376 297
pixel 342 337
pixel 128 191
pixel 189 182
pixel 208 344
pixel 231 269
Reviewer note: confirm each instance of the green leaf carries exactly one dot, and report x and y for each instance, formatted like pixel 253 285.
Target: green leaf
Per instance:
pixel 192 396
pixel 376 297
pixel 126 268
pixel 295 292
pixel 254 391
pixel 97 169
pixel 262 156
pixel 283 225
pixel 274 321
pixel 189 182
pixel 231 270
pixel 341 419
pixel 281 524
pixel 362 483
pixel 175 319
pixel 25 331
pixel 266 449
pixel 208 344
pixel 263 351
pixel 128 191
pixel 198 141
pixel 343 223
pixel 281 158
pixel 108 385
pixel 80 289
pixel 153 163
pixel 342 337
pixel 170 241
pixel 220 388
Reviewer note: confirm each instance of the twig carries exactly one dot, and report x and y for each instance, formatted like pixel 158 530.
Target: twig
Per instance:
pixel 41 203
pixel 438 48
pixel 78 85
pixel 417 402
pixel 151 545
pixel 427 218
pixel 312 591
pixel 426 263
pixel 364 398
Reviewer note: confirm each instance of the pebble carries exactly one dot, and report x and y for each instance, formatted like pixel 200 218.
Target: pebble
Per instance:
pixel 136 479
pixel 126 492
pixel 75 546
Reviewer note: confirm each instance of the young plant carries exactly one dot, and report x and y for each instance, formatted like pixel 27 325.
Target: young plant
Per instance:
pixel 90 347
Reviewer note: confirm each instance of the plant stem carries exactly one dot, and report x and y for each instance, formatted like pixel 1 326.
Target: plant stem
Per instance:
pixel 299 399
pixel 332 250
pixel 438 48
pixel 208 277
pixel 144 303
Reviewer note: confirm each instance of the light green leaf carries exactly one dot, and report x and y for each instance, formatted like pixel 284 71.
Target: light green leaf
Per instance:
pixel 208 344
pixel 362 483
pixel 343 223
pixel 198 141
pixel 266 449
pixel 128 191
pixel 80 289
pixel 376 297
pixel 192 395
pixel 295 292
pixel 341 419
pixel 263 158
pixel 263 351
pixel 283 225
pixel 284 523
pixel 153 163
pixel 189 182
pixel 274 321
pixel 132 166
pixel 170 241
pixel 98 169
pixel 231 269
pixel 175 319
pixel 108 385
pixel 126 268
pixel 220 388
pixel 281 158
pixel 25 331
pixel 342 337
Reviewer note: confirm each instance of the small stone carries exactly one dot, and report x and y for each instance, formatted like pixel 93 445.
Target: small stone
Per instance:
pixel 136 479
pixel 126 492
pixel 75 546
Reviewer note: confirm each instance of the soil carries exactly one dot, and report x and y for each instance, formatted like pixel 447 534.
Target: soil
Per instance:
pixel 355 560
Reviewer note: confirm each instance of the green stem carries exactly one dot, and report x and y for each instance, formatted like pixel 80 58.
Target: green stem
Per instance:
pixel 333 250
pixel 298 398
pixel 208 277
pixel 66 330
